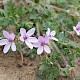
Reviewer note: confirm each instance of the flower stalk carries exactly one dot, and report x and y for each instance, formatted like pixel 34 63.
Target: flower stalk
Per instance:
pixel 64 59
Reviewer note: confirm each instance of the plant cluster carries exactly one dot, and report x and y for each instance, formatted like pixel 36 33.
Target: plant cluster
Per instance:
pixel 44 19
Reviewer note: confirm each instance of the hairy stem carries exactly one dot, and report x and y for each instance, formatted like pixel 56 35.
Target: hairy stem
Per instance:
pixel 38 30
pixel 66 11
pixel 21 53
pixel 21 58
pixel 57 49
pixel 62 10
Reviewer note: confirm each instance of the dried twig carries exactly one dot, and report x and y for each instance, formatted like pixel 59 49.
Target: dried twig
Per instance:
pixel 66 11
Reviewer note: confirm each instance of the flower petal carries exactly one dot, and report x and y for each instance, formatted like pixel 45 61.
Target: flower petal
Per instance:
pixel 78 25
pixel 31 32
pixel 36 44
pixel 52 33
pixel 23 32
pixel 29 44
pixel 41 39
pixel 74 28
pixel 6 48
pixel 13 46
pixel 53 38
pixel 48 32
pixel 33 39
pixel 21 38
pixel 46 39
pixel 77 31
pixel 12 36
pixel 6 34
pixel 40 50
pixel 3 41
pixel 47 49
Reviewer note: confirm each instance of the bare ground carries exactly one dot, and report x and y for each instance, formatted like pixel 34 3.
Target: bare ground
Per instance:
pixel 10 69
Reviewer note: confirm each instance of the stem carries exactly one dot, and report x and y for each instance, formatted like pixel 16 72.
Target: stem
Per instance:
pixel 55 46
pixel 57 49
pixel 21 53
pixel 66 11
pixel 56 60
pixel 21 57
pixel 47 57
pixel 41 57
pixel 38 30
pixel 60 9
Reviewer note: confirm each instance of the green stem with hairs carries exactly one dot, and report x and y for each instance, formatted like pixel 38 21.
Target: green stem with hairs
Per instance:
pixel 38 30
pixel 57 49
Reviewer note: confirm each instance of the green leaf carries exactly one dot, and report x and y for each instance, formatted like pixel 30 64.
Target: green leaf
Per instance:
pixel 36 1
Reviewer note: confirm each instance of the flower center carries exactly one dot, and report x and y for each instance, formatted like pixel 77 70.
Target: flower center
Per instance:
pixel 78 28
pixel 50 36
pixel 10 40
pixel 42 44
pixel 25 37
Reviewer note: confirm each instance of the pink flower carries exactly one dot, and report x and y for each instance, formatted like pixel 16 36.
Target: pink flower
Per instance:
pixel 26 37
pixel 9 42
pixel 51 34
pixel 42 45
pixel 77 28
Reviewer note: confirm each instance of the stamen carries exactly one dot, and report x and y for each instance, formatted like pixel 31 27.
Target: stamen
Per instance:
pixel 10 40
pixel 25 37
pixel 42 44
pixel 78 28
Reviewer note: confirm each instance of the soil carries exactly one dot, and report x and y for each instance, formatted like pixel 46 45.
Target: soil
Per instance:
pixel 11 70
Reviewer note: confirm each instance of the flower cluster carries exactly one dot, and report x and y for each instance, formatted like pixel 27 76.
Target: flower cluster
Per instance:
pixel 41 43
